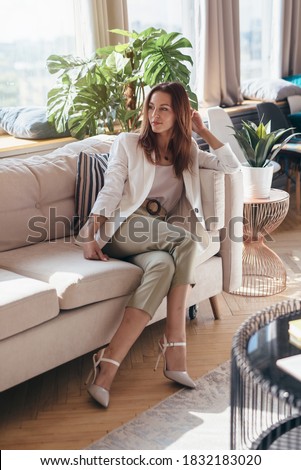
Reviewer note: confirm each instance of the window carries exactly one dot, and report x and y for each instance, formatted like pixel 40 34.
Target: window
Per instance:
pixel 256 21
pixel 31 31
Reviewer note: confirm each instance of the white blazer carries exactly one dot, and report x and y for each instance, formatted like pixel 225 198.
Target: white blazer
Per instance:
pixel 129 178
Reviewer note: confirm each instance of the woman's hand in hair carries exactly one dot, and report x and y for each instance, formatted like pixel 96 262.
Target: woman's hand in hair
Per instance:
pixel 199 127
pixel 197 122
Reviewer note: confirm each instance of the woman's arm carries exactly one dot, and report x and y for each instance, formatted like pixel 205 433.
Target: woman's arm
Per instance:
pixel 223 158
pixel 199 127
pixel 106 202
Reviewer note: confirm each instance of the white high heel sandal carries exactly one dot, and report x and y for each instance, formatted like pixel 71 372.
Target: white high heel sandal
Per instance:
pixel 100 394
pixel 180 377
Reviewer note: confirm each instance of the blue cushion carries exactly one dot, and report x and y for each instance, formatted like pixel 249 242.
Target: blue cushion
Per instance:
pixel 295 119
pixel 295 79
pixel 28 123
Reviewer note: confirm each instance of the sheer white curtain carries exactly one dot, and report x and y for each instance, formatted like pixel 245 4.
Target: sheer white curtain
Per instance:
pixel 94 19
pixel 217 54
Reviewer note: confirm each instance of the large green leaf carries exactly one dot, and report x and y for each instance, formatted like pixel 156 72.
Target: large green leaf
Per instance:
pixel 86 109
pixel 192 98
pixel 117 63
pixel 163 67
pixel 123 32
pixel 164 59
pixel 56 63
pixel 68 104
pixel 60 101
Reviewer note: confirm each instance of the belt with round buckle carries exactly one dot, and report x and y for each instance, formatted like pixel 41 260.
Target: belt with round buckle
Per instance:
pixel 154 207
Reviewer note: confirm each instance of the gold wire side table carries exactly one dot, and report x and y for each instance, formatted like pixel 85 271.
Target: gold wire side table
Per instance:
pixel 263 271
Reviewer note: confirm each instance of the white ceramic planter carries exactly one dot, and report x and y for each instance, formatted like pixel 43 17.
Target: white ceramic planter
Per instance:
pixel 257 182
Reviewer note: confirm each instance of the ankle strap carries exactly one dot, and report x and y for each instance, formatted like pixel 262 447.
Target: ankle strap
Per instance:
pixel 167 344
pixel 171 344
pixel 104 359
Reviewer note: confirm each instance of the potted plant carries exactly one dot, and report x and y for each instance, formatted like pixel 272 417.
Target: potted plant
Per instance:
pixel 260 146
pixel 105 93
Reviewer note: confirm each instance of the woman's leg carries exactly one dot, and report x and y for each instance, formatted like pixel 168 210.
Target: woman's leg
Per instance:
pixel 181 250
pixel 132 325
pixel 175 330
pixel 158 270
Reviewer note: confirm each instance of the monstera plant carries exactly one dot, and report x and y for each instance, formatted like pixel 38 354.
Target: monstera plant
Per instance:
pixel 105 93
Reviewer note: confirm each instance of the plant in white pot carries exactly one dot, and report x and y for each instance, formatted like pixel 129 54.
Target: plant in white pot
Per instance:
pixel 260 146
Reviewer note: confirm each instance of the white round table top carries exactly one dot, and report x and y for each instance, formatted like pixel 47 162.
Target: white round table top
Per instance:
pixel 276 195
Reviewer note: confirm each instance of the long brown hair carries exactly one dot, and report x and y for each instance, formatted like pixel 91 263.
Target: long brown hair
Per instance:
pixel 180 143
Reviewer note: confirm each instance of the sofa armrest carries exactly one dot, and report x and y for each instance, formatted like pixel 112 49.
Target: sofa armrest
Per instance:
pixel 222 199
pixel 232 233
pixel 212 185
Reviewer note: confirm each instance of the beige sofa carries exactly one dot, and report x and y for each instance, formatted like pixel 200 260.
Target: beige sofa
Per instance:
pixel 54 304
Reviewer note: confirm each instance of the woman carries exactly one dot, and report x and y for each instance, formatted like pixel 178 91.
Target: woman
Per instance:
pixel 152 179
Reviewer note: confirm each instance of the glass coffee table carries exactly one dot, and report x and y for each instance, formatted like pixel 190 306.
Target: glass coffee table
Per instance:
pixel 265 401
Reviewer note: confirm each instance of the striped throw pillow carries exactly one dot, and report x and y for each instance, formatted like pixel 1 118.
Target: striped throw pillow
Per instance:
pixel 89 181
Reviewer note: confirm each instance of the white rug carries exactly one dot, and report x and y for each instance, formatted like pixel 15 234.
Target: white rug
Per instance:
pixel 189 419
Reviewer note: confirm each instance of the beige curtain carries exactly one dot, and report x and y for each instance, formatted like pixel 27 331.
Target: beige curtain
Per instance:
pixel 94 19
pixel 218 52
pixel 291 37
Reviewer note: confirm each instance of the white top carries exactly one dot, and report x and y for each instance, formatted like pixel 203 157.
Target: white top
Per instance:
pixel 166 188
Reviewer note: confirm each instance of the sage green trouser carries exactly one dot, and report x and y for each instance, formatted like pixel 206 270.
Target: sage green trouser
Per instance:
pixel 166 254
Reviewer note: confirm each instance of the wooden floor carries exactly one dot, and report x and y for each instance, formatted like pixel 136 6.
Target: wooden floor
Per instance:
pixel 54 411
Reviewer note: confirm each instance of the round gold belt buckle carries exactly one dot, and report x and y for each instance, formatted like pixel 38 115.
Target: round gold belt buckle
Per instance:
pixel 153 207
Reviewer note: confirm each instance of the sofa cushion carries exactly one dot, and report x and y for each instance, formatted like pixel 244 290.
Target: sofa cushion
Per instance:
pixel 77 281
pixel 28 123
pixel 24 303
pixel 268 89
pixel 89 181
pixel 40 191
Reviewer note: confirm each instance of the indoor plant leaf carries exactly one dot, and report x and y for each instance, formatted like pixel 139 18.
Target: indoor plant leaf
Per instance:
pixel 116 62
pixel 149 57
pixel 282 144
pixel 60 101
